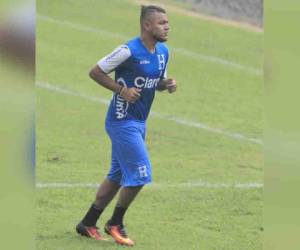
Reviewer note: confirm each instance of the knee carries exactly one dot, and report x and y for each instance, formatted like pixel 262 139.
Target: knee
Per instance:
pixel 99 196
pixel 133 189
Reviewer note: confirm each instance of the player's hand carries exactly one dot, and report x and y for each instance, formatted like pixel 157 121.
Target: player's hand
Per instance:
pixel 171 85
pixel 130 94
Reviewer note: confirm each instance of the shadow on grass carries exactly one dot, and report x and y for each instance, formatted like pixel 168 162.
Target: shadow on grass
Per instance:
pixel 70 240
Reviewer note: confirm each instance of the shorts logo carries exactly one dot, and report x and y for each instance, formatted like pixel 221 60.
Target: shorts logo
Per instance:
pixel 143 171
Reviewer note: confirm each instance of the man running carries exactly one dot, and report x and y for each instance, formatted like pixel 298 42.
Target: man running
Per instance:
pixel 140 70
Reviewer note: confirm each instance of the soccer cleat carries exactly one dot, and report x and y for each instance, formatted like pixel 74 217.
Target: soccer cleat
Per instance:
pixel 117 232
pixel 91 232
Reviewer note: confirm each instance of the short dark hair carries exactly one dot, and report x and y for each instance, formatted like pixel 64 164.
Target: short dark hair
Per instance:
pixel 146 11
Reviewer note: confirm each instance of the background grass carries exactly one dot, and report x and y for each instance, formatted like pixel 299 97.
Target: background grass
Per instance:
pixel 72 146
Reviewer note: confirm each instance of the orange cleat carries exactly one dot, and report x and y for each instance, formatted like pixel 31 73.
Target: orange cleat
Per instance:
pixel 117 232
pixel 91 232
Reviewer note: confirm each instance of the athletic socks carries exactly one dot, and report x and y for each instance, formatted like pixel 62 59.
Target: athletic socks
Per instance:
pixel 93 214
pixel 117 217
pixel 91 217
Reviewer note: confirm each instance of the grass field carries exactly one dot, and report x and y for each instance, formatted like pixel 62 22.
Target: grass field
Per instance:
pixel 204 141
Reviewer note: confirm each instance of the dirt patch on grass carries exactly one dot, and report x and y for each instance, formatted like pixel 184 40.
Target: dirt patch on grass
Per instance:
pixel 250 11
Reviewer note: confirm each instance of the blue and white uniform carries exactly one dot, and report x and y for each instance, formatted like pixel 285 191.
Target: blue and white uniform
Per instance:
pixel 134 66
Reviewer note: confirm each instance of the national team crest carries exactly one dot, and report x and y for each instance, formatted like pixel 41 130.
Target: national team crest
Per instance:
pixel 161 61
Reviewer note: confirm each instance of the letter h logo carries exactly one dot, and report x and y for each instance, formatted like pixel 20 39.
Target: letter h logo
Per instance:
pixel 161 61
pixel 143 171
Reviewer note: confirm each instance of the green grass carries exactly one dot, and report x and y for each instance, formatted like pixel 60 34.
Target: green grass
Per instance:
pixel 72 146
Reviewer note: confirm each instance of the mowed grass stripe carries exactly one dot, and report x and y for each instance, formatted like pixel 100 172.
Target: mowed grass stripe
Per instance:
pixel 182 51
pixel 72 141
pixel 177 120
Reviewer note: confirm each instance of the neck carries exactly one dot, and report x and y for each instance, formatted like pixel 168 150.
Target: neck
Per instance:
pixel 149 42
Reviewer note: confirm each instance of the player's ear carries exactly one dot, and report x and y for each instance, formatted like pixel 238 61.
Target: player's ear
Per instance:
pixel 147 25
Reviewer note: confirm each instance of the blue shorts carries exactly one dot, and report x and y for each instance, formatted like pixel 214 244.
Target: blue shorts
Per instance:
pixel 130 164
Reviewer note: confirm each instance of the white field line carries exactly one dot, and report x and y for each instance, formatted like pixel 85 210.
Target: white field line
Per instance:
pixel 218 60
pixel 199 184
pixel 177 120
pixel 64 91
pixel 182 51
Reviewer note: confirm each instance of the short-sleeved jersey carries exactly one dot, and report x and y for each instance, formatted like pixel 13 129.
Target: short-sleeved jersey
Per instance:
pixel 135 66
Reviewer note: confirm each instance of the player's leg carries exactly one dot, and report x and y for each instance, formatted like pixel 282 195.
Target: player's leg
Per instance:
pixel 115 226
pixel 136 171
pixel 106 192
pixel 111 185
pixel 126 197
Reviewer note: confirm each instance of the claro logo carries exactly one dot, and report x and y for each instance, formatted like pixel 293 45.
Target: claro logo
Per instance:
pixel 121 106
pixel 147 83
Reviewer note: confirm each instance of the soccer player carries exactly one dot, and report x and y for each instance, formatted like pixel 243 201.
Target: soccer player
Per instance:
pixel 140 70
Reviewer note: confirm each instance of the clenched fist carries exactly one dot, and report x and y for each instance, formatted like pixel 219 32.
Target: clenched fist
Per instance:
pixel 130 94
pixel 171 85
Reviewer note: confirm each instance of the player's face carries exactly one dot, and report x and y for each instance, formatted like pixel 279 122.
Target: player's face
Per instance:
pixel 159 26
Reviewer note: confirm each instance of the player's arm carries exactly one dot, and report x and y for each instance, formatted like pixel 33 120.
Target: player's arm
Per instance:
pixel 102 78
pixel 167 84
pixel 99 73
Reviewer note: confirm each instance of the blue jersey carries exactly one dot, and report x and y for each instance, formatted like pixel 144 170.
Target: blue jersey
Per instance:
pixel 135 66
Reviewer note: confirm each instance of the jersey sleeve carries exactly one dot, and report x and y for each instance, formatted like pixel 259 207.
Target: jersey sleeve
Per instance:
pixel 110 62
